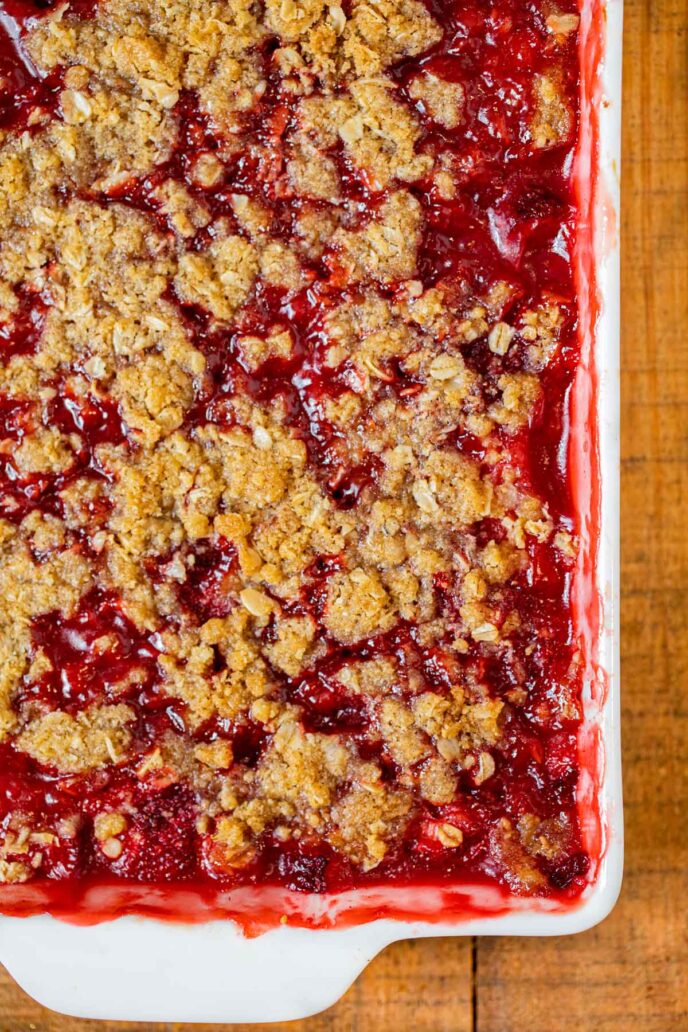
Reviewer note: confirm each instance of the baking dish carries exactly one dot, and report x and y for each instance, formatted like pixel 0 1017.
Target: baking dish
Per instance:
pixel 209 971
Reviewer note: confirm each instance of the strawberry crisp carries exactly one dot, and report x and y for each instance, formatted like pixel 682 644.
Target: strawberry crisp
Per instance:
pixel 288 327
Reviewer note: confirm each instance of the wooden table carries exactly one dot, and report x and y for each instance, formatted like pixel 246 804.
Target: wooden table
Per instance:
pixel 631 973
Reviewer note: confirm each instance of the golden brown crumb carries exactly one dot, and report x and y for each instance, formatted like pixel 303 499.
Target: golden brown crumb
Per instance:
pixel 108 825
pixel 357 606
pixel 94 738
pixel 217 754
pixel 220 279
pixel 13 872
pixel 386 248
pixel 553 120
pixel 366 820
pixel 442 100
pixel 449 835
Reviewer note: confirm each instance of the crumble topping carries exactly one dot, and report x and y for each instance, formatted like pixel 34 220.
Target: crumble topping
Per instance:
pixel 323 40
pixel 552 121
pixel 442 100
pixel 220 279
pixel 386 248
pixel 95 737
pixel 285 569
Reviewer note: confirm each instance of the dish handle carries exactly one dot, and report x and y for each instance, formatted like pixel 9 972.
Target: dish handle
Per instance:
pixel 157 971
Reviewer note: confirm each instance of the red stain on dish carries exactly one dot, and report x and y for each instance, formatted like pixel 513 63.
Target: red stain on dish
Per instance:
pixel 583 452
pixel 515 220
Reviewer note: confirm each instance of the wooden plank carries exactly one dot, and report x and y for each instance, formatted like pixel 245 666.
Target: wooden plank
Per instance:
pixel 630 973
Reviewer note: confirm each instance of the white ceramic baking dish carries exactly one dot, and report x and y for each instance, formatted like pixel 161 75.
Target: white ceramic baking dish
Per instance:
pixel 145 969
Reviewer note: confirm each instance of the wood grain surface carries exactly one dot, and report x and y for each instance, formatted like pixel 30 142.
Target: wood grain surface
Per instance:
pixel 631 973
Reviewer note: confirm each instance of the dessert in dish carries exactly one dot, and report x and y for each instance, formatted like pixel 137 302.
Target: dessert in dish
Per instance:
pixel 288 327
